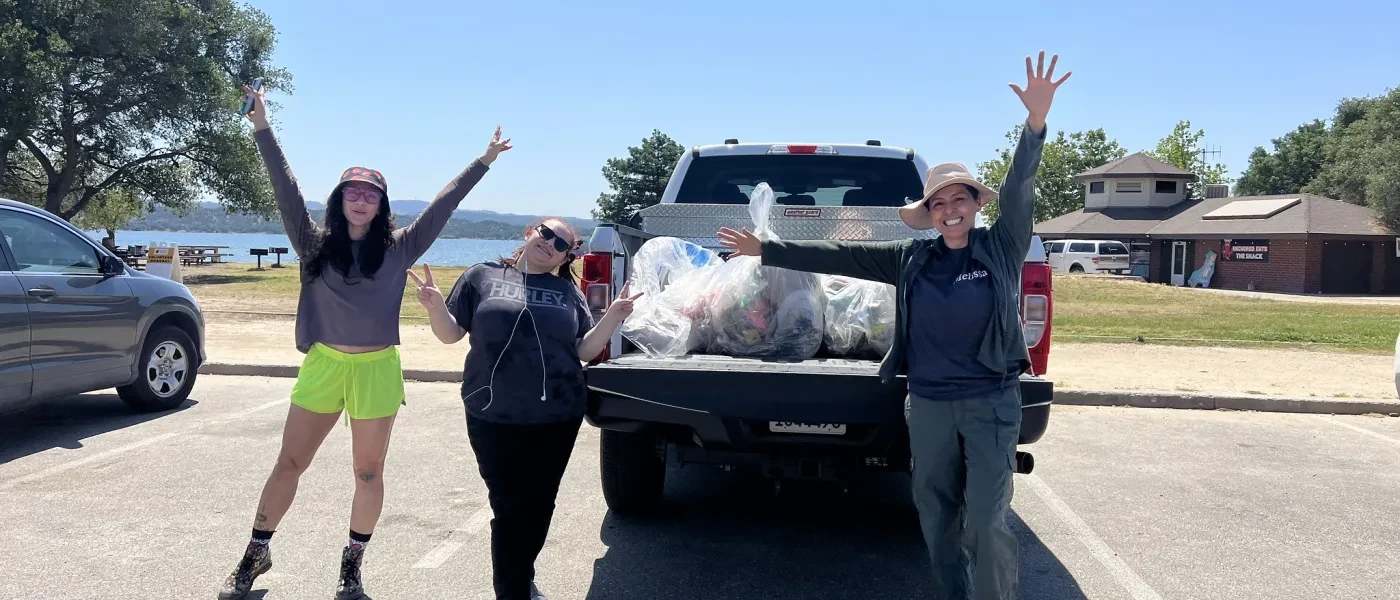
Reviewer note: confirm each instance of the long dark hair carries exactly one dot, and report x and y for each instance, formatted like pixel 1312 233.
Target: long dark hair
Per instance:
pixel 566 270
pixel 333 245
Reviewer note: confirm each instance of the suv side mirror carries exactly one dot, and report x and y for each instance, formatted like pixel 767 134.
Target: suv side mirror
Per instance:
pixel 112 265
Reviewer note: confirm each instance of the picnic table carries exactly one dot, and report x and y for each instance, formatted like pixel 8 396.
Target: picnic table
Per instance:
pixel 200 255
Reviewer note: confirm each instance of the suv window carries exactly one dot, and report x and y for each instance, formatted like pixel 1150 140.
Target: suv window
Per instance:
pixel 1057 247
pixel 1114 248
pixel 39 245
pixel 802 180
pixel 1082 247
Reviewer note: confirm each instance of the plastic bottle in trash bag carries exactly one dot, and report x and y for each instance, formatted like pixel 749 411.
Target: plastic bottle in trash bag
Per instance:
pixel 763 311
pixel 860 317
pixel 665 259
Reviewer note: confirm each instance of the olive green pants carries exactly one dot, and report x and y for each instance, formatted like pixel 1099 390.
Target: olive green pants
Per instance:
pixel 964 454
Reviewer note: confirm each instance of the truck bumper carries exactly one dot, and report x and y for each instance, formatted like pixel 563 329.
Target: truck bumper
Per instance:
pixel 731 412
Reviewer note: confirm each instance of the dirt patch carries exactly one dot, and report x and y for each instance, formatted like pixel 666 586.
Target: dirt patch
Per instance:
pixel 1233 371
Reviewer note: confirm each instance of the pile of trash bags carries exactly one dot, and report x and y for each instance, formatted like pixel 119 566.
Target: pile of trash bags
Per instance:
pixel 695 302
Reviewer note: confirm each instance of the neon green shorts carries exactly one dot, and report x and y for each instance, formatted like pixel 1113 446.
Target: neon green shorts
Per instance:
pixel 365 386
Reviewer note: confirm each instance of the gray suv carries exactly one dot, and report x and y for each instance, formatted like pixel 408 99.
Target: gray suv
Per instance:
pixel 75 319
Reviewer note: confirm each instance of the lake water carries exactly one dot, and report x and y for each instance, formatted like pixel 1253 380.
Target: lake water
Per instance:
pixel 443 252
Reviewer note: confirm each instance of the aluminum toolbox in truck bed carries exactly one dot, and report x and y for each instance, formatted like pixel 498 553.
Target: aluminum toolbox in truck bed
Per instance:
pixel 730 402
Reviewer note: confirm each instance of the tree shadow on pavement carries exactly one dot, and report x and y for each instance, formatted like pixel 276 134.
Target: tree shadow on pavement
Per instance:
pixel 66 422
pixel 723 536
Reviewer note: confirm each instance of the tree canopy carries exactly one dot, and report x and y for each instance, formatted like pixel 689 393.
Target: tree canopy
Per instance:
pixel 1361 157
pixel 639 180
pixel 1062 157
pixel 131 99
pixel 1182 148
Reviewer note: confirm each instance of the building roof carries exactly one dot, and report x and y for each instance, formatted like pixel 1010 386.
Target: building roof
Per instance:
pixel 1137 165
pixel 1302 214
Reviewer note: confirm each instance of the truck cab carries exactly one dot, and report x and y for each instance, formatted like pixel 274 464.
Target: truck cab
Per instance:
pixel 826 418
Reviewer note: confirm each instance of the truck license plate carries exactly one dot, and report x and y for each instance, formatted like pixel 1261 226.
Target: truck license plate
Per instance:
pixel 813 428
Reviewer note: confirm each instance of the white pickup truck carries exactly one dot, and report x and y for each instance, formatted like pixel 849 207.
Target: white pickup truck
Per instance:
pixel 825 418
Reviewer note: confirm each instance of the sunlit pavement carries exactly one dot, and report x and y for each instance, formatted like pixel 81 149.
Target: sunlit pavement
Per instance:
pixel 1125 503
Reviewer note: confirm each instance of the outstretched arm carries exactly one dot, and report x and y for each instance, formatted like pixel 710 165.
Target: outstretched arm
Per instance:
pixel 290 203
pixel 874 261
pixel 440 318
pixel 424 230
pixel 1012 231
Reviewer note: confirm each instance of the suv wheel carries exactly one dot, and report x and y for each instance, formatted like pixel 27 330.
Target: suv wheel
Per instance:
pixel 1076 269
pixel 167 372
pixel 634 476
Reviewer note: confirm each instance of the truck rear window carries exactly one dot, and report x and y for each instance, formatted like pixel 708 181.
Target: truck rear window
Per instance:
pixel 802 180
pixel 1114 249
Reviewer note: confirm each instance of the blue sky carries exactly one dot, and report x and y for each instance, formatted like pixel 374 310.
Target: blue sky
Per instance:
pixel 415 87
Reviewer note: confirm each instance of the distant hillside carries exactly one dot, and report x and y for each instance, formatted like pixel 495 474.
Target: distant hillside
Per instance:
pixel 216 220
pixel 413 207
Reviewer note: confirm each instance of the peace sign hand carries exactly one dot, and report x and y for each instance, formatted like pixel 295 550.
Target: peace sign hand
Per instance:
pixel 1040 89
pixel 495 147
pixel 623 305
pixel 428 293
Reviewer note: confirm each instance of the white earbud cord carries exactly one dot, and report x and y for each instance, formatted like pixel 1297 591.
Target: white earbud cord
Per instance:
pixel 524 267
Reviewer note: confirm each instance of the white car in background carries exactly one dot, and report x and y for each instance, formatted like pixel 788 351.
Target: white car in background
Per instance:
pixel 1087 256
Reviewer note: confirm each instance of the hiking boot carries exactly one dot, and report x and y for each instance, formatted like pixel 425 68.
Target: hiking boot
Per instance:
pixel 257 559
pixel 350 587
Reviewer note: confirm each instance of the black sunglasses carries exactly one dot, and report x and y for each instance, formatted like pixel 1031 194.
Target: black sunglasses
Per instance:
pixel 559 244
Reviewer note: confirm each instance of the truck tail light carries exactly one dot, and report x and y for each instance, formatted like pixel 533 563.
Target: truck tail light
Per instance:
pixel 800 149
pixel 596 285
pixel 1036 310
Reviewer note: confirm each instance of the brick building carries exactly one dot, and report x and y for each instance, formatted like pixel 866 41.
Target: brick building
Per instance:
pixel 1296 243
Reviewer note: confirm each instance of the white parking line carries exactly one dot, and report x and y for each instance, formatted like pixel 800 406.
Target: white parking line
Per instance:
pixel 1374 434
pixel 1120 570
pixel 87 460
pixel 455 540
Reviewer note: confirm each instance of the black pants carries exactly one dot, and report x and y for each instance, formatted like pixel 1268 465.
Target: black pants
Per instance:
pixel 522 466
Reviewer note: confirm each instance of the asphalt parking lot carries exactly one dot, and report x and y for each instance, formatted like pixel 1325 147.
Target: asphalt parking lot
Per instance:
pixel 1125 503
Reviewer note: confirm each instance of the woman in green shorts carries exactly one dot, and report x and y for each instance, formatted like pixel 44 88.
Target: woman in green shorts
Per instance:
pixel 353 269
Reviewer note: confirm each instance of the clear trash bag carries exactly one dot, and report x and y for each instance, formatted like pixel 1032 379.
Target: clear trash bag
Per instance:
pixel 860 317
pixel 673 322
pixel 760 311
pixel 663 260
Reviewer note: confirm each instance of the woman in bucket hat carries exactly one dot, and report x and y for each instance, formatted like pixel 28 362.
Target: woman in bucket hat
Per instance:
pixel 354 269
pixel 959 343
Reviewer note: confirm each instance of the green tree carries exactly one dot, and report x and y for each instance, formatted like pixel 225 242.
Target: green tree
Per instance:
pixel 136 95
pixel 1361 157
pixel 111 210
pixel 638 180
pixel 1062 157
pixel 1182 148
pixel 1294 163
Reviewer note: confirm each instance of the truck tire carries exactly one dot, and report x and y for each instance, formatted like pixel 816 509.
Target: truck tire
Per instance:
pixel 634 477
pixel 167 367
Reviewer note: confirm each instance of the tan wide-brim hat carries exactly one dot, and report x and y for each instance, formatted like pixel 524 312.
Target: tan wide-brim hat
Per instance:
pixel 939 177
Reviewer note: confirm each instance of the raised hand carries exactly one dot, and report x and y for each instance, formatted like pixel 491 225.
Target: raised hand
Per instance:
pixel 258 115
pixel 1039 92
pixel 428 293
pixel 623 305
pixel 743 242
pixel 495 147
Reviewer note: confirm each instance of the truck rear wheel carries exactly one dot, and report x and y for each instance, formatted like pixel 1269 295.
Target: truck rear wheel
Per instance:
pixel 634 473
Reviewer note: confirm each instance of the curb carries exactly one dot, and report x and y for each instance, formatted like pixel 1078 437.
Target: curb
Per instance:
pixel 1063 397
pixel 1213 402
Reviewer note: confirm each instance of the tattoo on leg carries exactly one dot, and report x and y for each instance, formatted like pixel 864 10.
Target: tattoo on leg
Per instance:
pixel 262 514
pixel 366 476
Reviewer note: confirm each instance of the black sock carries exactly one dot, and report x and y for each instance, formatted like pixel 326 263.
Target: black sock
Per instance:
pixel 261 537
pixel 359 540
